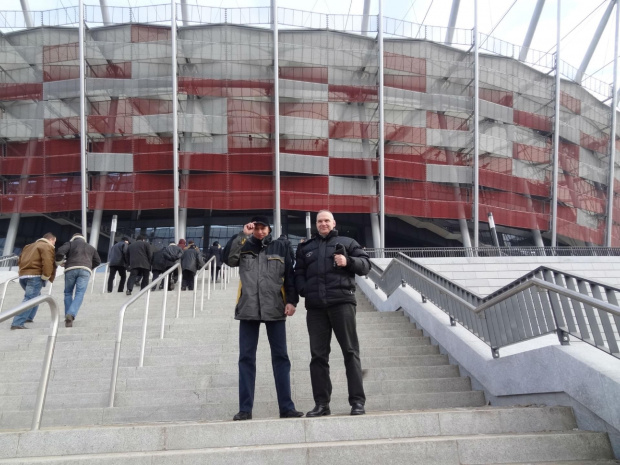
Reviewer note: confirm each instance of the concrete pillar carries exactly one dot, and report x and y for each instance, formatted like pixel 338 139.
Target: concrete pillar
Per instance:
pixel 11 234
pixel 95 228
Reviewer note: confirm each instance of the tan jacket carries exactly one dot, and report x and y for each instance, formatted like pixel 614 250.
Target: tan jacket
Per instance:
pixel 37 259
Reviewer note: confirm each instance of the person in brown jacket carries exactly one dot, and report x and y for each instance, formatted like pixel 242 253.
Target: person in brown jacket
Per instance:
pixel 36 267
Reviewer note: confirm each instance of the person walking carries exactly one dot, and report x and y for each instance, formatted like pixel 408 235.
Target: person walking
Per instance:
pixel 118 264
pixel 139 256
pixel 79 259
pixel 215 251
pixel 36 267
pixel 266 295
pixel 191 262
pixel 325 275
pixel 163 260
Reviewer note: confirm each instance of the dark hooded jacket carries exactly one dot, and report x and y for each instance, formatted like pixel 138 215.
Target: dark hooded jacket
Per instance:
pixel 215 251
pixel 166 257
pixel 317 279
pixel 117 254
pixel 78 254
pixel 266 277
pixel 192 259
pixel 139 255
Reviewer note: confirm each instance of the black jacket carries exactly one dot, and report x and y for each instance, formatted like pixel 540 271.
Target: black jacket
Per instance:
pixel 166 257
pixel 266 274
pixel 318 280
pixel 291 252
pixel 214 250
pixel 78 254
pixel 192 259
pixel 139 255
pixel 117 254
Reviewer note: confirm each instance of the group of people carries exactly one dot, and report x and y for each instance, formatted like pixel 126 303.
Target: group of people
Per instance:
pixel 271 280
pixel 324 273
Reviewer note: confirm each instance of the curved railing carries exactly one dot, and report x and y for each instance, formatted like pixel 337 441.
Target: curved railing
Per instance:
pixel 164 277
pixel 93 276
pixel 205 270
pixel 49 349
pixel 544 300
pixel 16 278
pixel 433 252
pixel 8 261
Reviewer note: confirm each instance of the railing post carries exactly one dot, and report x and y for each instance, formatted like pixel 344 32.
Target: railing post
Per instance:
pixel 144 328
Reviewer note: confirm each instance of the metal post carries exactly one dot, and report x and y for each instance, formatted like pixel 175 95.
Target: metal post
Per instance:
pixel 381 132
pixel 476 126
pixel 276 120
pixel 144 328
pixel 531 30
pixel 454 12
pixel 556 138
pixel 163 306
pixel 95 228
pixel 83 174
pixel 11 234
pixel 175 123
pixel 493 231
pixel 26 11
pixel 105 15
pixel 308 226
pixel 612 139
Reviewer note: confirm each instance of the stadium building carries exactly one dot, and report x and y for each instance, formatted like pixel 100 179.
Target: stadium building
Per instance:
pixel 381 127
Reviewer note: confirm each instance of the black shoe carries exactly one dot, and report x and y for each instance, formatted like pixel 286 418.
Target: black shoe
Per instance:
pixel 357 409
pixel 319 411
pixel 69 321
pixel 184 289
pixel 128 292
pixel 291 414
pixel 243 416
pixel 18 327
pixel 29 321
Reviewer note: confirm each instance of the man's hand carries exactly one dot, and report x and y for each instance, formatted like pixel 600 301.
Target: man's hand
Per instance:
pixel 289 310
pixel 340 260
pixel 248 229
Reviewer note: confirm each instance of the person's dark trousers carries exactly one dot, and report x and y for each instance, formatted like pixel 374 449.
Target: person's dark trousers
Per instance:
pixel 248 342
pixel 133 275
pixel 188 280
pixel 341 319
pixel 215 272
pixel 122 273
pixel 157 273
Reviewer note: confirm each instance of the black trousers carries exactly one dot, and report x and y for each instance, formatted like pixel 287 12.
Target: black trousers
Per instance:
pixel 188 280
pixel 122 273
pixel 341 320
pixel 133 275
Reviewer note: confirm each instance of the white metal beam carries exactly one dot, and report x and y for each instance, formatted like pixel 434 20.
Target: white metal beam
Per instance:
pixel 175 124
pixel 476 186
pixel 556 138
pixel 594 43
pixel 612 140
pixel 26 11
pixel 83 173
pixel 531 30
pixel 105 13
pixel 277 220
pixel 454 13
pixel 381 131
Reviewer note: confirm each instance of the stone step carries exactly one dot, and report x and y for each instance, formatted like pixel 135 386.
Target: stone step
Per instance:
pixel 530 435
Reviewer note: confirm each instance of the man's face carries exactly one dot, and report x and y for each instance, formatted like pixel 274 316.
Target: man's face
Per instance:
pixel 325 223
pixel 260 231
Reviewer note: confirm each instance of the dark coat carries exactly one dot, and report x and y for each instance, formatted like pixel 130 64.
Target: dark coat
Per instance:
pixel 318 280
pixel 266 273
pixel 166 257
pixel 291 252
pixel 117 254
pixel 215 251
pixel 192 259
pixel 78 254
pixel 139 255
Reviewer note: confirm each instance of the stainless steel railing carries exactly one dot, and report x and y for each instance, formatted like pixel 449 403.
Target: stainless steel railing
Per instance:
pixel 8 261
pixel 49 350
pixel 430 252
pixel 205 270
pixel 543 301
pixel 121 317
pixel 93 277
pixel 15 279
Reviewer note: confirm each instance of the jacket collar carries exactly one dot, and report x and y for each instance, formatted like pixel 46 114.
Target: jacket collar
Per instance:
pixel 332 233
pixel 45 240
pixel 77 237
pixel 263 243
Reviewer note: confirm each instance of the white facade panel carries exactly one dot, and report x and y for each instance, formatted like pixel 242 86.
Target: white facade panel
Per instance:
pixel 529 137
pixel 449 139
pixel 209 144
pixel 570 133
pixel 21 129
pixel 412 118
pixel 340 148
pixel 303 91
pixel 342 111
pixel 496 112
pixel 592 167
pixel 201 124
pixel 522 169
pixel 307 127
pixel 351 186
pixel 347 77
pixel 306 164
pixel 449 174
pixel 110 162
pixel 496 146
pixel 587 219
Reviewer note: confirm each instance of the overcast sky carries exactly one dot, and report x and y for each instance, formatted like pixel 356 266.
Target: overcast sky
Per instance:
pixel 505 19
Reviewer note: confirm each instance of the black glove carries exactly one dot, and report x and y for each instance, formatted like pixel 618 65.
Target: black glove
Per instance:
pixel 340 250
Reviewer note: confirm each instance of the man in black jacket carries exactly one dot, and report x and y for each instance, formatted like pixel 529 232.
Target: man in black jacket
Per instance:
pixel 139 256
pixel 325 275
pixel 215 251
pixel 266 295
pixel 191 262
pixel 163 260
pixel 79 258
pixel 117 264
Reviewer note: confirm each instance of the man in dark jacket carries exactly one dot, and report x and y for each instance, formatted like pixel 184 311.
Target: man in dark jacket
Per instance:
pixel 325 275
pixel 139 256
pixel 117 264
pixel 191 262
pixel 79 258
pixel 163 260
pixel 215 251
pixel 284 238
pixel 267 294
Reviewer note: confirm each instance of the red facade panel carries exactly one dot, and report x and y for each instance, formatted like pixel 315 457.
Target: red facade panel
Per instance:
pixel 10 91
pixel 405 170
pixel 291 200
pixel 225 88
pixel 119 201
pixel 532 120
pixel 144 33
pixel 353 130
pixel 531 153
pixel 406 134
pixel 598 144
pixel 304 73
pixel 353 204
pixel 514 184
pixel 501 97
pixel 570 103
pixel 61 53
pixel 344 93
pixel 442 121
pixel 316 147
pixel 353 167
pixel 300 185
pixel 404 63
pixel 314 110
pixel 61 127
pixel 22 166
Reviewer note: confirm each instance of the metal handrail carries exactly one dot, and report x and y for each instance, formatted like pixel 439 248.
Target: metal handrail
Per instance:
pixel 9 260
pixel 16 278
pixel 486 251
pixel 121 317
pixel 93 275
pixel 544 300
pixel 49 350
pixel 203 271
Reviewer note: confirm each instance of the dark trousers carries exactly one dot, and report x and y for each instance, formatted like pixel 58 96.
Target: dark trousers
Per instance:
pixel 133 275
pixel 248 342
pixel 341 319
pixel 122 273
pixel 215 272
pixel 188 280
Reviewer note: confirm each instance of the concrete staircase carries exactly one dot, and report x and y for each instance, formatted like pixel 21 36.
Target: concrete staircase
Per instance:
pixel 178 407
